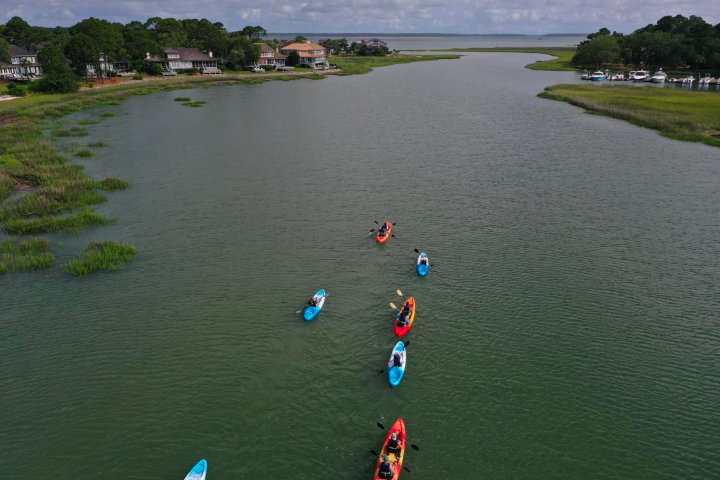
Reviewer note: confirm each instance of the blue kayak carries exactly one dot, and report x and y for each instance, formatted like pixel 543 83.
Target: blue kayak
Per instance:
pixel 311 312
pixel 395 374
pixel 198 472
pixel 423 267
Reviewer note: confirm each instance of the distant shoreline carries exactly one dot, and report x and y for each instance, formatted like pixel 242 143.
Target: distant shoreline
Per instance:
pixel 365 34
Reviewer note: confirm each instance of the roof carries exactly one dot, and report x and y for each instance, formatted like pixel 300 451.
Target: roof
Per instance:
pixel 186 55
pixel 16 51
pixel 303 46
pixel 6 65
pixel 311 55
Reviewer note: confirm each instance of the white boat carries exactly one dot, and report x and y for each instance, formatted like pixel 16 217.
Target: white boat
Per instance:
pixel 688 80
pixel 618 76
pixel 659 77
pixel 640 75
pixel 585 76
pixel 597 76
pixel 706 80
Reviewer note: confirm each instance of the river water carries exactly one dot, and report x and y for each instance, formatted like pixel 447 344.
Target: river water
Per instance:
pixel 568 327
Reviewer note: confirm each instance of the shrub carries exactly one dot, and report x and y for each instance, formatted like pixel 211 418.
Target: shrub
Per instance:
pixel 222 68
pixel 138 77
pixel 58 83
pixel 16 90
pixel 153 69
pixel 268 68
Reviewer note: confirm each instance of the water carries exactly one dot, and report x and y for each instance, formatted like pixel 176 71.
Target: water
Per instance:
pixel 464 41
pixel 567 329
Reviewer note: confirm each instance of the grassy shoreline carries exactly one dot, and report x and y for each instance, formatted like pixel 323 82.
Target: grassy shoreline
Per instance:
pixel 358 65
pixel 680 114
pixel 560 64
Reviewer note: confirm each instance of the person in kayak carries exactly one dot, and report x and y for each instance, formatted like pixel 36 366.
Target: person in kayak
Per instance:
pixel 394 445
pixel 423 261
pixel 386 468
pixel 396 361
pixel 313 302
pixel 406 309
pixel 402 320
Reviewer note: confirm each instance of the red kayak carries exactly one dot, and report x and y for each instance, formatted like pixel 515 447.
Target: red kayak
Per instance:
pixel 396 462
pixel 383 238
pixel 400 331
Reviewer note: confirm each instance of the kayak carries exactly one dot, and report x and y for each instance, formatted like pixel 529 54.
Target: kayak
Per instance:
pixel 400 331
pixel 198 472
pixel 399 427
pixel 311 312
pixel 423 269
pixel 395 374
pixel 380 239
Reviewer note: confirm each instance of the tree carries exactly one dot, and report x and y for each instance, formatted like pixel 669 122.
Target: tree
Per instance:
pixel 53 60
pixel 106 37
pixel 4 51
pixel 300 39
pixel 380 51
pixel 82 51
pixel 342 45
pixel 254 32
pixel 60 37
pixel 59 82
pixel 19 32
pixel 363 50
pixel 139 41
pixel 599 51
pixel 292 59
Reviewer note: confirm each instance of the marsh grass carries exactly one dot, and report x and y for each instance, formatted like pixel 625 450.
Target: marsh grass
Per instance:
pixel 71 132
pixel 48 224
pixel 108 114
pixel 88 122
pixel 97 144
pixel 182 99
pixel 84 153
pixel 25 255
pixel 194 104
pixel 104 255
pixel 110 184
pixel 354 65
pixel 675 113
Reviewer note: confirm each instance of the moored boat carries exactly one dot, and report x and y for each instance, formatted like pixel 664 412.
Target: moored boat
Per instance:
pixel 639 76
pixel 659 77
pixel 585 75
pixel 688 80
pixel 597 76
pixel 706 80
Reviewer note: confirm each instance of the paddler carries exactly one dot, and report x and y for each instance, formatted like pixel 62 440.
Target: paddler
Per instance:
pixel 402 320
pixel 394 445
pixel 396 361
pixel 386 470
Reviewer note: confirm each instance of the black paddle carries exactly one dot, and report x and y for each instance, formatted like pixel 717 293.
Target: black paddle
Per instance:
pixel 376 455
pixel 405 345
pixel 382 427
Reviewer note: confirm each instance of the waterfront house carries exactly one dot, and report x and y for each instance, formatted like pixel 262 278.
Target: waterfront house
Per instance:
pixel 268 56
pixel 119 65
pixel 372 44
pixel 311 55
pixel 22 62
pixel 176 58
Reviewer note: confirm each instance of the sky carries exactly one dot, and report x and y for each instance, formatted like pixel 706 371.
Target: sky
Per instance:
pixel 376 16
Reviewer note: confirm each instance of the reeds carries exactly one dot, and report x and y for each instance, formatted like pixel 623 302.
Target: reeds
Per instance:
pixel 194 104
pixel 71 132
pixel 97 144
pixel 88 122
pixel 182 99
pixel 108 114
pixel 48 224
pixel 110 184
pixel 83 153
pixel 104 255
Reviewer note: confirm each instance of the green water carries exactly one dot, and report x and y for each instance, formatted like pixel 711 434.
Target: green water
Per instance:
pixel 567 328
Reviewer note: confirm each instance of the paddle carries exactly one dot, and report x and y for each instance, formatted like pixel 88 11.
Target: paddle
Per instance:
pixel 382 427
pixel 327 294
pixel 405 345
pixel 375 454
pixel 400 293
pixel 393 306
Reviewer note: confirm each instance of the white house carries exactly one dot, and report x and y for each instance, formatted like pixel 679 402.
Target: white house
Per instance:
pixel 372 43
pixel 268 56
pixel 176 58
pixel 311 55
pixel 22 62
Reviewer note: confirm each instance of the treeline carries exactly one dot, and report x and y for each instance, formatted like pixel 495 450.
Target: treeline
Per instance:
pixel 92 40
pixel 671 42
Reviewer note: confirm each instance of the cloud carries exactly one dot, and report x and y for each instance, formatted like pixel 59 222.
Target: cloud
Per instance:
pixel 345 16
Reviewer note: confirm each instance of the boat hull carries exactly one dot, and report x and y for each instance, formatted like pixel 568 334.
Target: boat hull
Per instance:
pixel 399 427
pixel 400 331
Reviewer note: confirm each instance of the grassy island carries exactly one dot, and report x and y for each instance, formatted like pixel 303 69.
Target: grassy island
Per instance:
pixel 23 255
pixel 675 113
pixel 353 64
pixel 105 255
pixel 561 63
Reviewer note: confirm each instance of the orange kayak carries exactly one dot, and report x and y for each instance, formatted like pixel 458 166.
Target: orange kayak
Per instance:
pixel 400 331
pixel 383 239
pixel 396 461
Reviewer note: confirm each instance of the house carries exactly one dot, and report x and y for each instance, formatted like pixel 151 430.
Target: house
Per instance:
pixel 22 62
pixel 328 47
pixel 118 65
pixel 372 43
pixel 268 56
pixel 176 58
pixel 311 55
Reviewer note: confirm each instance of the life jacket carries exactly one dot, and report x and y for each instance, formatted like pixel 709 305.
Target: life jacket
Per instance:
pixel 393 444
pixel 397 362
pixel 385 468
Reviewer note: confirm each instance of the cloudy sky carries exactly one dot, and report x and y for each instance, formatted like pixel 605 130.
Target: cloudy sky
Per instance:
pixel 377 16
